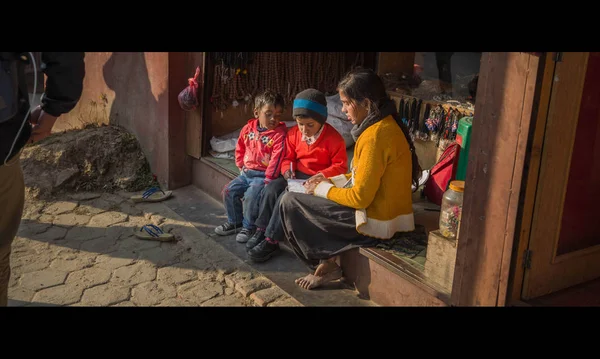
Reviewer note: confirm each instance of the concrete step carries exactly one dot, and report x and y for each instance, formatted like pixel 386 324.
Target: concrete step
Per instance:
pixel 206 213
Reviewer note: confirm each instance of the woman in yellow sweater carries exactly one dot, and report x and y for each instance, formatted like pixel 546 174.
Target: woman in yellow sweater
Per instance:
pixel 371 203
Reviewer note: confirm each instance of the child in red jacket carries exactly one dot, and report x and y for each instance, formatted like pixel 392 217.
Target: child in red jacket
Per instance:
pixel 313 147
pixel 258 154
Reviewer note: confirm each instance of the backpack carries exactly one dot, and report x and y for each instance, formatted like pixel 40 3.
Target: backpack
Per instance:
pixel 9 86
pixel 440 175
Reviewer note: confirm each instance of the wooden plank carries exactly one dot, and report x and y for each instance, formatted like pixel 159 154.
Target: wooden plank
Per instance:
pixel 193 119
pixel 517 303
pixel 383 286
pixel 441 259
pixel 578 253
pixel 210 178
pixel 582 295
pixel 179 165
pixel 517 176
pixel 387 288
pixel 477 143
pixel 532 168
pixel 407 271
pixel 207 117
pixel 493 178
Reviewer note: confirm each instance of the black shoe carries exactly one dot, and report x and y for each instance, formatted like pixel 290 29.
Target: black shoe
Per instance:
pixel 263 251
pixel 258 237
pixel 228 228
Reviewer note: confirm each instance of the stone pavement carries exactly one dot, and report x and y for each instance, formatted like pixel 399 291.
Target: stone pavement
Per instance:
pixel 80 250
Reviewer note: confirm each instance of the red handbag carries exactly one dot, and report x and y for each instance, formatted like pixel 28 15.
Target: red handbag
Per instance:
pixel 440 175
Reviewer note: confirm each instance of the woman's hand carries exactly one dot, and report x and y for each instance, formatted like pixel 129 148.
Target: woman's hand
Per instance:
pixel 310 187
pixel 313 182
pixel 318 178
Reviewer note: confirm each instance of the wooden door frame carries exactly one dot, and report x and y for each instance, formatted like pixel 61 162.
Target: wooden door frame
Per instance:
pixel 505 100
pixel 194 119
pixel 531 176
pixel 558 274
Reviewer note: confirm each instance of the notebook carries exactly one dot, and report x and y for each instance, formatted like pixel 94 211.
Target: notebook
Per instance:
pixel 295 185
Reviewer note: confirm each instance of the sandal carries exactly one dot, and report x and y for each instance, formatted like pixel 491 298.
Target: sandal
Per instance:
pixel 152 195
pixel 152 232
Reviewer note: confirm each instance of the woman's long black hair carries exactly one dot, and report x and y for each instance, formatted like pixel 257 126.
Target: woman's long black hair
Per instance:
pixel 362 84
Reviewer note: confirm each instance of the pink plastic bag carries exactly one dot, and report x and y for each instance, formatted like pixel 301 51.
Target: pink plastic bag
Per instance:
pixel 188 98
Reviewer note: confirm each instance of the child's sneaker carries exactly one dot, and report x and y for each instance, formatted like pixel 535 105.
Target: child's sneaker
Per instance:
pixel 244 235
pixel 228 228
pixel 256 238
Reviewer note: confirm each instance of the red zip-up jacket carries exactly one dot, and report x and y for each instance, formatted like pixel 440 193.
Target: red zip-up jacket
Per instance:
pixel 327 155
pixel 261 150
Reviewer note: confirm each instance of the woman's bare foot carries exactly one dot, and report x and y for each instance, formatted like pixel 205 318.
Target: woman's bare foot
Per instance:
pixel 326 266
pixel 311 281
pixel 326 272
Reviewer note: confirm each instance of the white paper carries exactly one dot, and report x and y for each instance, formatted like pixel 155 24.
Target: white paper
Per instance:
pixel 295 185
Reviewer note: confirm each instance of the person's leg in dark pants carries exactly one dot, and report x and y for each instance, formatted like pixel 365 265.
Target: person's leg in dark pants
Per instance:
pixel 268 201
pixel 267 241
pixel 268 206
pixel 12 199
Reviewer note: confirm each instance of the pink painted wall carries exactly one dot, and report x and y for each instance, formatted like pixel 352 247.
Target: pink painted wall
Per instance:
pixel 129 89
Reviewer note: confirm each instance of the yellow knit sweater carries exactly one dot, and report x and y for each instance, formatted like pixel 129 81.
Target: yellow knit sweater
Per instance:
pixel 381 182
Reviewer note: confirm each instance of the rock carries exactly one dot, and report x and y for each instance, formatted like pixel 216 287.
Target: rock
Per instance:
pixel 65 175
pixel 99 159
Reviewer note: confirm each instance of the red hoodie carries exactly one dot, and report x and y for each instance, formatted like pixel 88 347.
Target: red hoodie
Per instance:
pixel 327 155
pixel 261 150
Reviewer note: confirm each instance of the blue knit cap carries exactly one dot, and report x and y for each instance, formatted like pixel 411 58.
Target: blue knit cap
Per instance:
pixel 311 103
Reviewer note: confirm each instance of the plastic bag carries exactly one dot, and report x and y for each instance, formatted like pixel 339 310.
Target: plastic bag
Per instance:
pixel 226 142
pixel 337 119
pixel 229 155
pixel 334 106
pixel 343 127
pixel 188 98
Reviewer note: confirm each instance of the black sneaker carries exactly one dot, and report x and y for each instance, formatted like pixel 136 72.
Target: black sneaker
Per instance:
pixel 263 251
pixel 258 237
pixel 228 228
pixel 244 235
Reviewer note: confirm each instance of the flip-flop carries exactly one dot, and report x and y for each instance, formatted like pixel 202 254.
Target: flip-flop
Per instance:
pixel 152 232
pixel 152 195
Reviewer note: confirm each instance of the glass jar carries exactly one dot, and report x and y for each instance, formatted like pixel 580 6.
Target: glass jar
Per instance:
pixel 451 210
